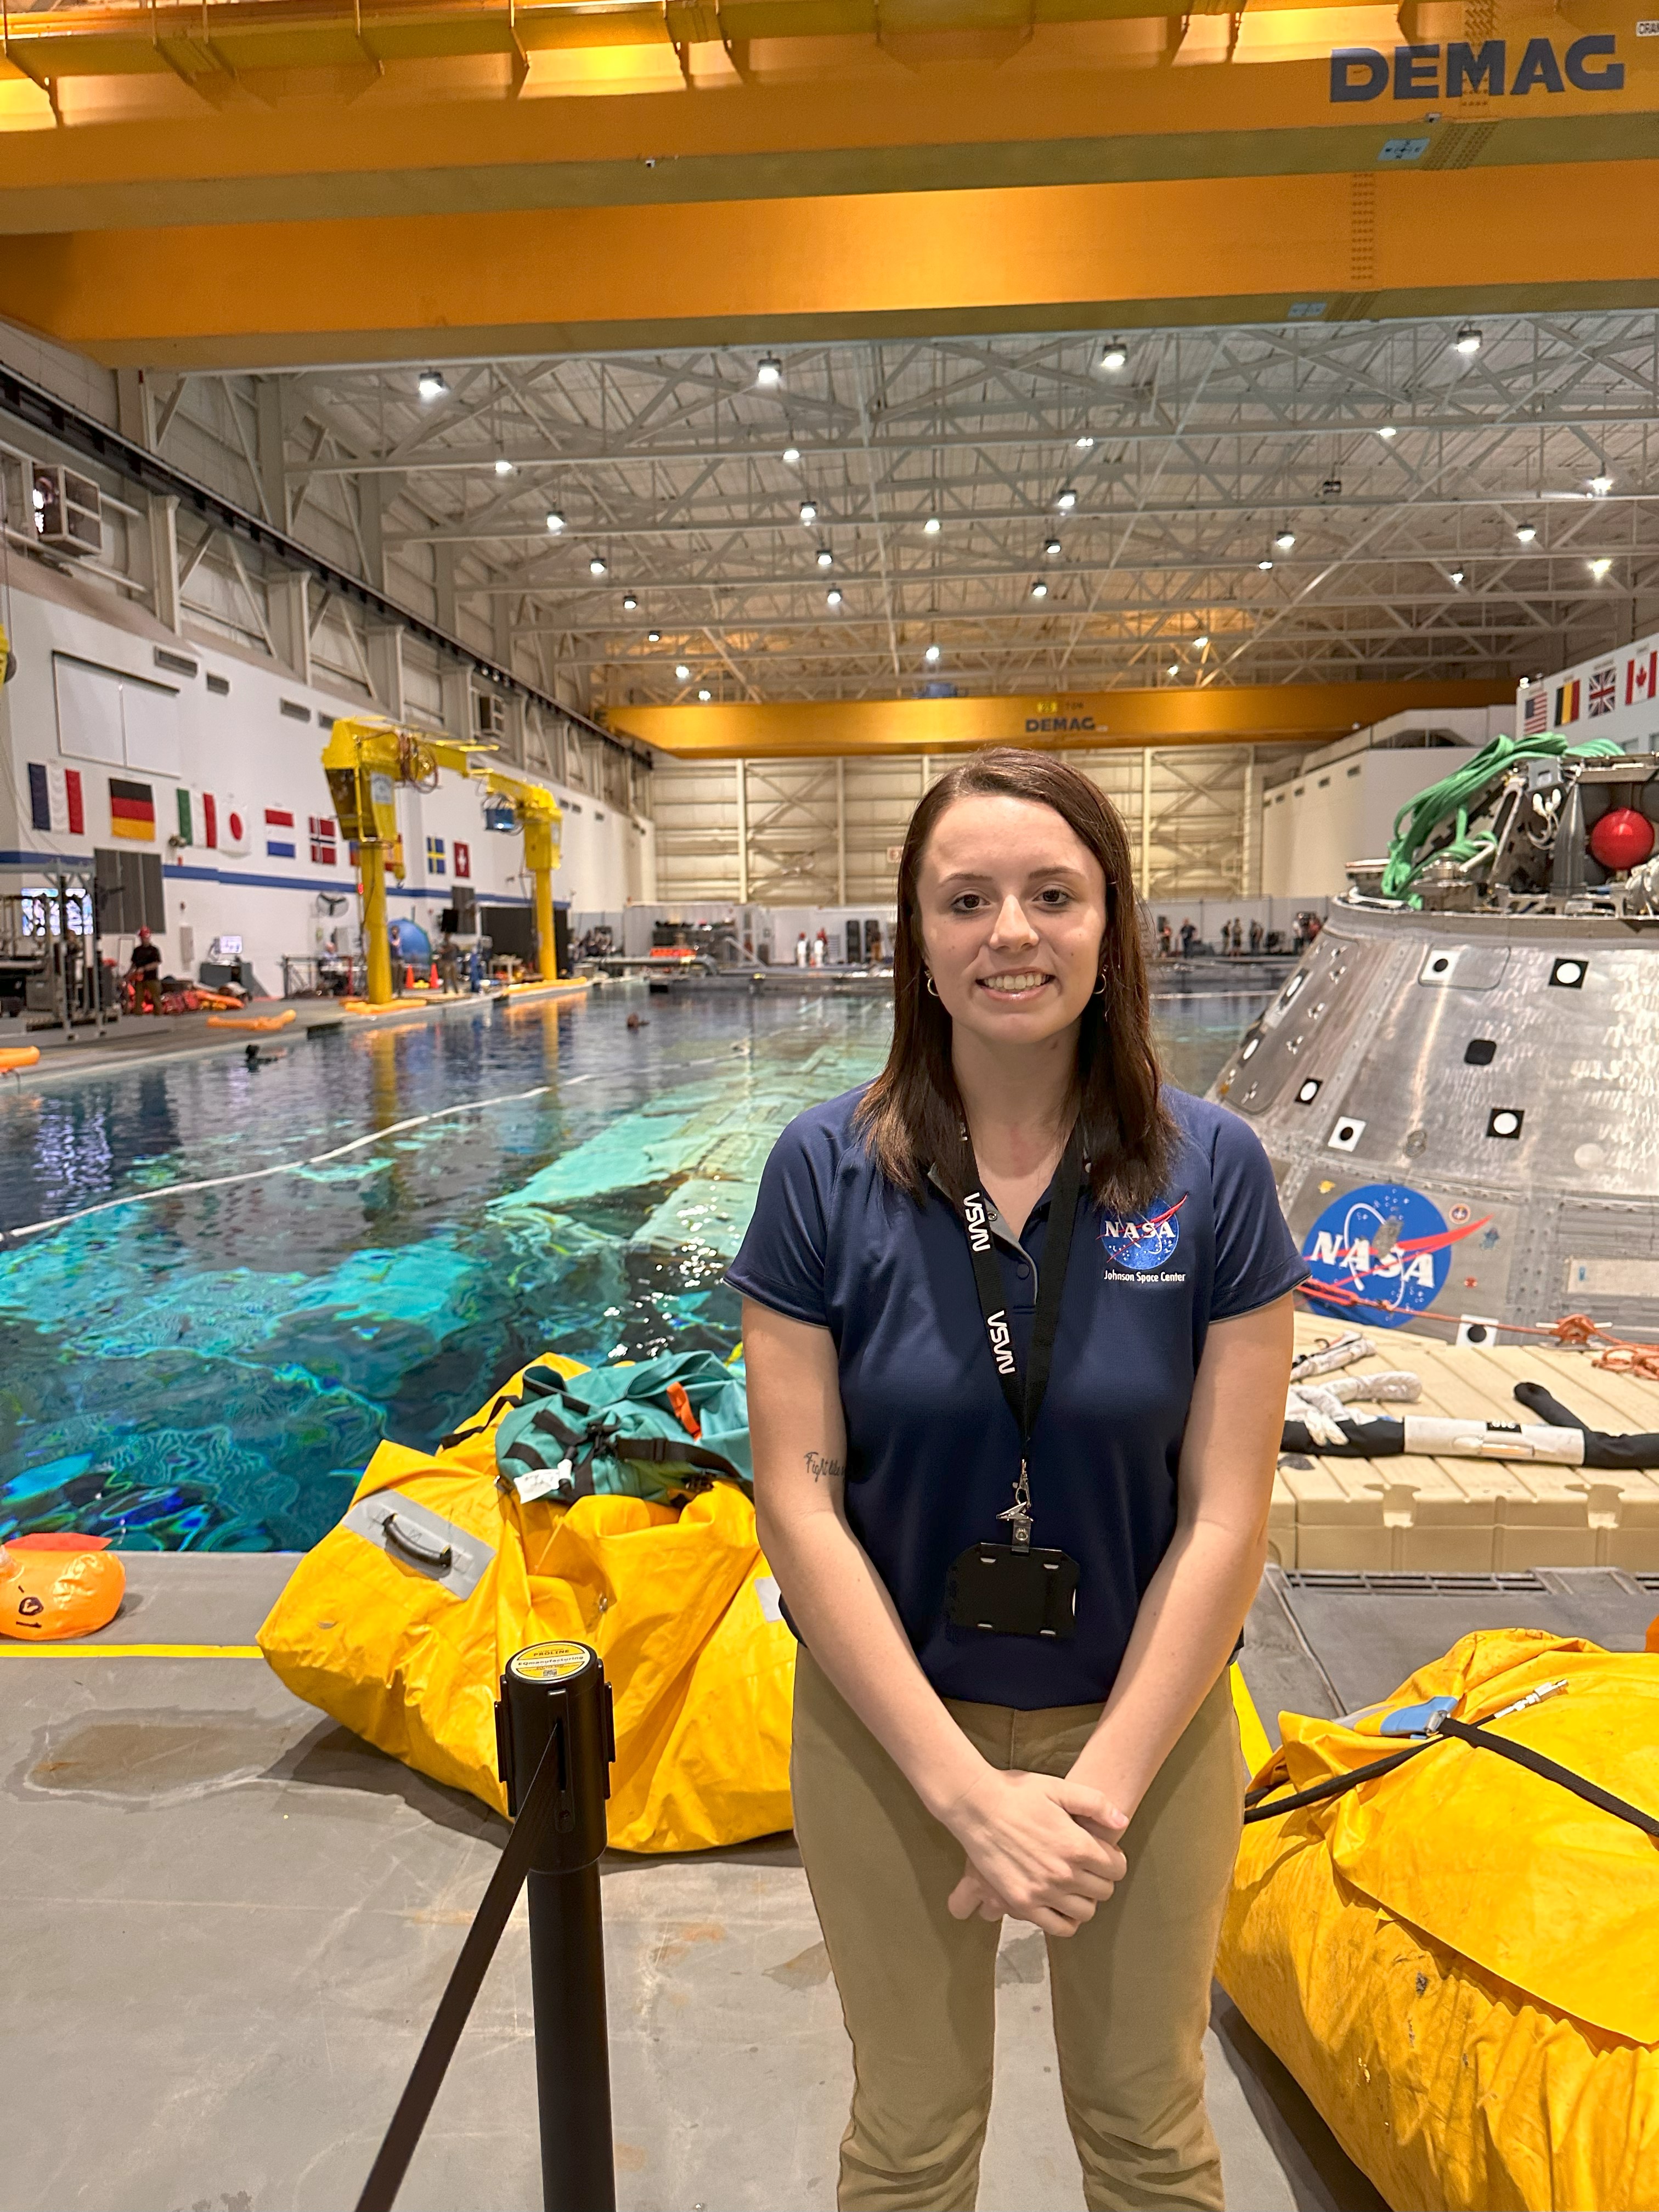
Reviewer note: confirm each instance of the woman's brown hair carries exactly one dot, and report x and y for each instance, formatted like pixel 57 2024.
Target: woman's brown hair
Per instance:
pixel 912 1115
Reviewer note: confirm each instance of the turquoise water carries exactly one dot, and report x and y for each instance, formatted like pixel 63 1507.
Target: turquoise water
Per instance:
pixel 392 1223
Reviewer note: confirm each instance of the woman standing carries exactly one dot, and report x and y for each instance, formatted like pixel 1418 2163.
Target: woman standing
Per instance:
pixel 1017 1324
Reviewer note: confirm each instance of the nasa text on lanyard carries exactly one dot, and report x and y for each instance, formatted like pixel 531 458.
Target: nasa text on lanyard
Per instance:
pixel 1015 1589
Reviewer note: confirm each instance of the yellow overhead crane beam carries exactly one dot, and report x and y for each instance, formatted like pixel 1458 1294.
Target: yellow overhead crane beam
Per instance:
pixel 250 183
pixel 1263 714
pixel 365 760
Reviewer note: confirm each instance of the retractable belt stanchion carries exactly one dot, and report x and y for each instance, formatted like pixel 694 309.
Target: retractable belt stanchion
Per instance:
pixel 555 1702
pixel 554 1741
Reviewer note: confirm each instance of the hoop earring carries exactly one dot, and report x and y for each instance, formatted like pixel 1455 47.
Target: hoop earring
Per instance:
pixel 1099 991
pixel 932 985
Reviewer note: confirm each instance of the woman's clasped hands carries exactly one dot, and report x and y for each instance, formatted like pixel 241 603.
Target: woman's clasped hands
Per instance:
pixel 1040 1847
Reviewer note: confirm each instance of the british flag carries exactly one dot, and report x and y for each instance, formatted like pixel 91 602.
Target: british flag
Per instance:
pixel 1535 713
pixel 1604 689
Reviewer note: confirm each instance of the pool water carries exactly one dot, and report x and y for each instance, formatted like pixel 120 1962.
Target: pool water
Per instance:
pixel 358 1237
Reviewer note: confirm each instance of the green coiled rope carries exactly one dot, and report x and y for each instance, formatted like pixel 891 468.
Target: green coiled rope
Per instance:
pixel 1459 794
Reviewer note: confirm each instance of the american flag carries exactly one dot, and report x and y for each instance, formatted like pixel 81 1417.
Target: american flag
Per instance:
pixel 1604 690
pixel 1535 713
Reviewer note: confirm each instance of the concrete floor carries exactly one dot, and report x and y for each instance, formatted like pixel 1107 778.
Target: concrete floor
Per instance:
pixel 227 1922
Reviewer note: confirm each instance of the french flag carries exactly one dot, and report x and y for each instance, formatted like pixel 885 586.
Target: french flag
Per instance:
pixel 279 849
pixel 55 801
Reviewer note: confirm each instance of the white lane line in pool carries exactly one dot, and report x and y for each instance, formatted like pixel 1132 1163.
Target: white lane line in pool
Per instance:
pixel 282 1167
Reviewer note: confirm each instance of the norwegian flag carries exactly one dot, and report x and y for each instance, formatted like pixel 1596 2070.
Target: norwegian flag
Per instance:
pixel 1535 713
pixel 1642 678
pixel 1604 689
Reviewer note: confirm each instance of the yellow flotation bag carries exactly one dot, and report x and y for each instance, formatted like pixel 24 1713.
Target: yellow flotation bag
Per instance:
pixel 399 1622
pixel 1457 1960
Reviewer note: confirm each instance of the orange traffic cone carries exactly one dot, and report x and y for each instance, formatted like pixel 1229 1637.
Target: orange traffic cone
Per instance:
pixel 408 976
pixel 432 980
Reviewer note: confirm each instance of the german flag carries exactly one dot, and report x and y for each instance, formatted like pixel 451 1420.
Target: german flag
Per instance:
pixel 131 810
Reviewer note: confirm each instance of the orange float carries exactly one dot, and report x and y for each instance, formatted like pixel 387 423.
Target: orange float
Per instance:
pixel 14 1056
pixel 251 1021
pixel 58 1585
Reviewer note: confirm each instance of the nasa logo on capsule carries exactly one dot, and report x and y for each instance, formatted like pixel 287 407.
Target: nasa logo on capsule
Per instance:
pixel 1383 1253
pixel 1145 1244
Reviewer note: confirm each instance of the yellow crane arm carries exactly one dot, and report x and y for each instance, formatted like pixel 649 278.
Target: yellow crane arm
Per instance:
pixel 365 760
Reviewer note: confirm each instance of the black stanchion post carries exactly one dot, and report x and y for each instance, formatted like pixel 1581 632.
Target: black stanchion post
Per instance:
pixel 556 1702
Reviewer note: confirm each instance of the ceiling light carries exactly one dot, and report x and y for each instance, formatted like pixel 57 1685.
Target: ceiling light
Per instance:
pixel 1085 444
pixel 682 671
pixel 555 520
pixel 1200 640
pixel 809 513
pixel 705 694
pixel 1455 575
pixel 1286 539
pixel 1601 485
pixel 1526 533
pixel 1599 568
pixel 1039 590
pixel 1174 669
pixel 1051 546
pixel 1387 430
pixel 791 454
pixel 1066 501
pixel 931 527
pixel 1467 342
pixel 932 655
pixel 769 374
pixel 596 566
pixel 629 602
pixel 1115 355
pixel 826 558
pixel 430 384
pixel 1264 565
pixel 503 467
pixel 654 637
pixel 832 598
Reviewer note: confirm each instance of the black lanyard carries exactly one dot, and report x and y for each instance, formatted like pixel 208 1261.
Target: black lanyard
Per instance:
pixel 1024 1394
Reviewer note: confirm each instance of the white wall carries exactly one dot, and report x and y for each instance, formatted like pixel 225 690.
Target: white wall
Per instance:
pixel 241 747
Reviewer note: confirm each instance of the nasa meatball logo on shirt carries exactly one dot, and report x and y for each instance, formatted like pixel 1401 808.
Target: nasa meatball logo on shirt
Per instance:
pixel 1139 1250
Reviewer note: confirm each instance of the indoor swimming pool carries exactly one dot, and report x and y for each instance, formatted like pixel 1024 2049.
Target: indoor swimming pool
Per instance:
pixel 221 1284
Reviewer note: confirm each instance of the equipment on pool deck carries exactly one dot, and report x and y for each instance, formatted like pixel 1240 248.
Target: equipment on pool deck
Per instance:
pixel 252 1021
pixel 555 1743
pixel 54 1586
pixel 16 1056
pixel 1455 1958
pixel 365 760
pixel 400 1621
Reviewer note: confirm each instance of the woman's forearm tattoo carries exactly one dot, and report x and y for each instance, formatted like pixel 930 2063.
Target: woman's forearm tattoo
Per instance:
pixel 823 1469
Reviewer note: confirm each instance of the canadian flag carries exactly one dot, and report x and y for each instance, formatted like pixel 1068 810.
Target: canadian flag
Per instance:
pixel 1642 678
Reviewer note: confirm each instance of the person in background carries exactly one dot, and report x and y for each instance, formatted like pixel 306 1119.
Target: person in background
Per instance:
pixel 1255 936
pixel 1017 1524
pixel 803 950
pixel 1188 932
pixel 1165 940
pixel 144 974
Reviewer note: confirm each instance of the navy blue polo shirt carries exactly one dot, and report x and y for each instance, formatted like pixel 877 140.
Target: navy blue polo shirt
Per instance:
pixel 933 1448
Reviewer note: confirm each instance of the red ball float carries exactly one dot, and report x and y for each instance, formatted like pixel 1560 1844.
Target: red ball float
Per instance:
pixel 1621 839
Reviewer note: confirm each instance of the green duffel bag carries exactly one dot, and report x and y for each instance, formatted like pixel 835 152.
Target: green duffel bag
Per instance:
pixel 662 1429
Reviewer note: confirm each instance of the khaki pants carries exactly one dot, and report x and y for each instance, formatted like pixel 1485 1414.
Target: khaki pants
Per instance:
pixel 1131 1990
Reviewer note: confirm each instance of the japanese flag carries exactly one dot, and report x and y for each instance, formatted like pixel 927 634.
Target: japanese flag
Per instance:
pixel 231 825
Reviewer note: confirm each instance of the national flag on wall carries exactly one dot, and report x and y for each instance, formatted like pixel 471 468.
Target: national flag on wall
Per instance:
pixel 1566 704
pixel 1604 689
pixel 278 849
pixel 131 810
pixel 322 840
pixel 462 861
pixel 435 856
pixel 1642 678
pixel 1535 713
pixel 228 826
pixel 54 802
